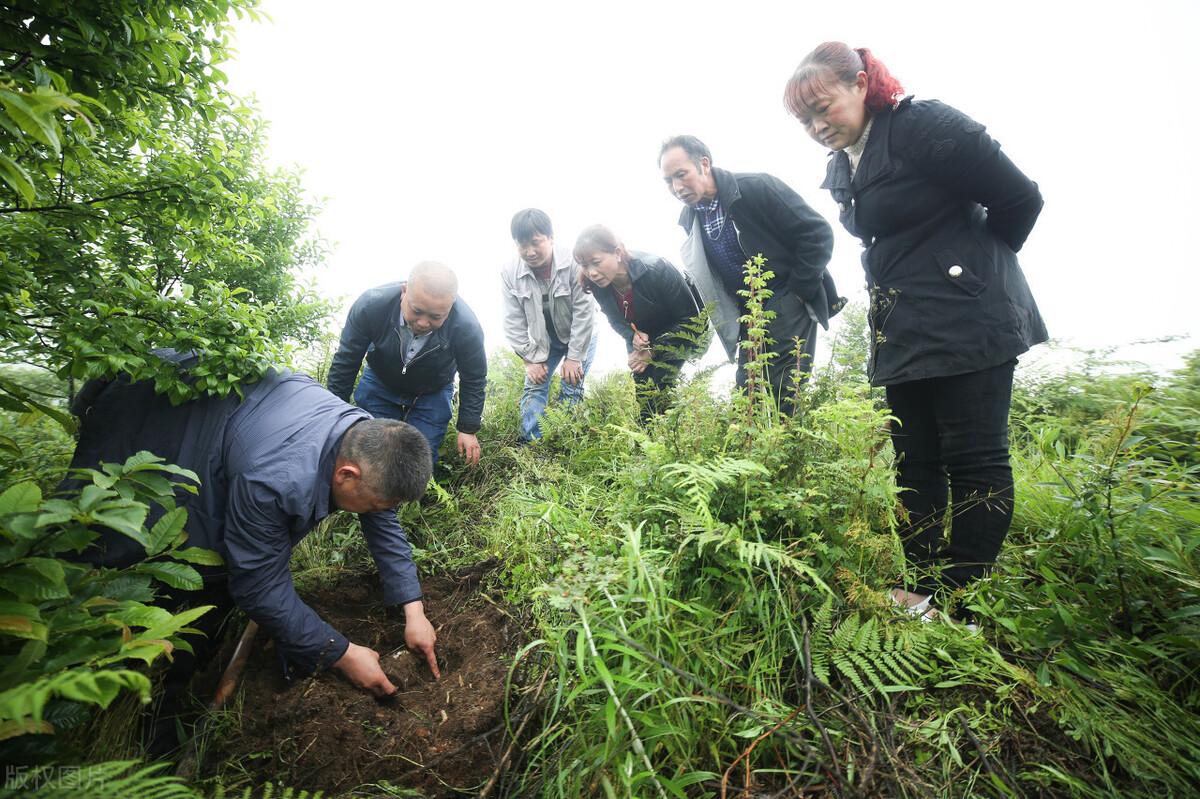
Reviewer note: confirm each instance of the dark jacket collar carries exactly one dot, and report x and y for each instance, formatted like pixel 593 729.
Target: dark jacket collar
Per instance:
pixel 323 490
pixel 876 159
pixel 727 192
pixel 637 265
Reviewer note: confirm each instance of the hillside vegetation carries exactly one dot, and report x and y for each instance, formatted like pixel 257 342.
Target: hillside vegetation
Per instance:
pixel 702 601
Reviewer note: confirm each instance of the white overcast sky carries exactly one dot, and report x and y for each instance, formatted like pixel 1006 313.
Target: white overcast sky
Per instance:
pixel 425 126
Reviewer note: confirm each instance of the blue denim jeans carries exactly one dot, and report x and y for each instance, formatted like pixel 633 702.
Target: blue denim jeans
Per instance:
pixel 536 396
pixel 429 413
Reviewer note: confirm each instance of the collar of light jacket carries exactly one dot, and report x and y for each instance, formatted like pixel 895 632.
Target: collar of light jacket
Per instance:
pixel 727 192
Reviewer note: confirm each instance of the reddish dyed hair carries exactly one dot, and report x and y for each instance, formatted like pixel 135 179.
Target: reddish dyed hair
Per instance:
pixel 844 64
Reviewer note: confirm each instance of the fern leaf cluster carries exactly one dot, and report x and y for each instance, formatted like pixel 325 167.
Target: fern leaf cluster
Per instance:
pixel 871 654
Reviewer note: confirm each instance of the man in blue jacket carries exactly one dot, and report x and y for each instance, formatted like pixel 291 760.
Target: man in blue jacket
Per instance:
pixel 415 336
pixel 271 466
pixel 731 217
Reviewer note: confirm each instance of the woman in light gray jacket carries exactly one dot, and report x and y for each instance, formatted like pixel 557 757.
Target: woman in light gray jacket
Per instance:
pixel 548 318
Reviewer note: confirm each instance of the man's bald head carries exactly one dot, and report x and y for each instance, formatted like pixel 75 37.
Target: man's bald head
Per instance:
pixel 429 297
pixel 434 279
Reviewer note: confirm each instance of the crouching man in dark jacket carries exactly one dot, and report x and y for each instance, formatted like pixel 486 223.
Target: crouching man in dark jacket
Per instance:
pixel 415 336
pixel 271 466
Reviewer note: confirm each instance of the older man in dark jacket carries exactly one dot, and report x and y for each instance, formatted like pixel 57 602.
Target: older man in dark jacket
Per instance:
pixel 415 336
pixel 271 466
pixel 730 218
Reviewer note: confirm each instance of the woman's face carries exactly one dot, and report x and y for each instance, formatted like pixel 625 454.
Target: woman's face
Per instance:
pixel 601 267
pixel 835 114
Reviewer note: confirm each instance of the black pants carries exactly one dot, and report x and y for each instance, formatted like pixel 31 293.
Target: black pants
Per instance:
pixel 953 430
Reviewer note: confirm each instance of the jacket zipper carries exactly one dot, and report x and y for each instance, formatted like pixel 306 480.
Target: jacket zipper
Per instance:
pixel 430 347
pixel 426 350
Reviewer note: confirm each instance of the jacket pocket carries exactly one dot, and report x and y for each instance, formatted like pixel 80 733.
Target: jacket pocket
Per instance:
pixel 958 273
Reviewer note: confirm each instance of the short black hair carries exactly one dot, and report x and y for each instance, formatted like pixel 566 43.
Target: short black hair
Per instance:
pixel 695 148
pixel 531 222
pixel 393 455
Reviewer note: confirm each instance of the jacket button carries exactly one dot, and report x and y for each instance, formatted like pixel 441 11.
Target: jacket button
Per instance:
pixel 954 271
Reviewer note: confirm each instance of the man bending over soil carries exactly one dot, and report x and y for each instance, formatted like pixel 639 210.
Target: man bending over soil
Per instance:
pixel 271 466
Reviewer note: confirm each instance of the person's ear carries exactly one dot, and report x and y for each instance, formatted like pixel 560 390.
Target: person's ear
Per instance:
pixel 346 472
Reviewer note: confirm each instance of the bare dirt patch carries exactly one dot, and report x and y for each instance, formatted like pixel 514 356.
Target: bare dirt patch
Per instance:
pixel 442 738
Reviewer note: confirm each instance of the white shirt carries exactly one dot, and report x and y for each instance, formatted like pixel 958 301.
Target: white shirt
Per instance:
pixel 855 150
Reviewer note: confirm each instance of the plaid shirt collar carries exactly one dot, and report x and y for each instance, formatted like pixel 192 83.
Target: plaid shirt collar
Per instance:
pixel 713 217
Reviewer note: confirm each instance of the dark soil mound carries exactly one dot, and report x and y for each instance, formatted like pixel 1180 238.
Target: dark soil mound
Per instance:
pixel 442 738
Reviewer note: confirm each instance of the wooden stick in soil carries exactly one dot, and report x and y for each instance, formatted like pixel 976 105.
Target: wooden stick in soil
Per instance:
pixel 225 688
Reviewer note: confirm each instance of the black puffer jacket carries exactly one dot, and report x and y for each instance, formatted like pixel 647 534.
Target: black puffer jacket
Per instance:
pixel 663 303
pixel 942 212
pixel 373 329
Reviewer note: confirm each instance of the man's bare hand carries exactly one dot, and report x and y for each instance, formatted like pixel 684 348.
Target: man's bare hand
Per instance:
pixel 468 447
pixel 536 372
pixel 420 635
pixel 360 666
pixel 572 371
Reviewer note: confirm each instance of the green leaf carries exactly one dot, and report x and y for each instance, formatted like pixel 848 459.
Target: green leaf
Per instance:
pixel 14 671
pixel 50 568
pixel 166 529
pixel 92 494
pixel 38 124
pixel 17 179
pixel 126 520
pixel 199 556
pixel 21 620
pixel 29 585
pixel 141 615
pixel 176 623
pixel 176 575
pixel 20 498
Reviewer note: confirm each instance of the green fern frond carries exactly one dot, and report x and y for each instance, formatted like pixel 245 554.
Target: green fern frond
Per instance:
pixel 870 654
pixel 116 779
pixel 754 554
pixel 699 481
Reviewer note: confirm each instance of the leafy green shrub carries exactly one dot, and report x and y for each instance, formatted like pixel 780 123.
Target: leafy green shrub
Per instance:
pixel 69 631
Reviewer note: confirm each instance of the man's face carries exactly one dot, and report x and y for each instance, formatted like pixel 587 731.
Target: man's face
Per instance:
pixel 350 492
pixel 688 182
pixel 424 312
pixel 538 252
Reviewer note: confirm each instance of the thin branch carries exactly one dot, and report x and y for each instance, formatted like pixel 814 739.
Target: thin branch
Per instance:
pixel 93 201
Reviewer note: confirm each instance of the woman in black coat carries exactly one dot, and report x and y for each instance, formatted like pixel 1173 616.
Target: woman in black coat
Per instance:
pixel 942 213
pixel 650 305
